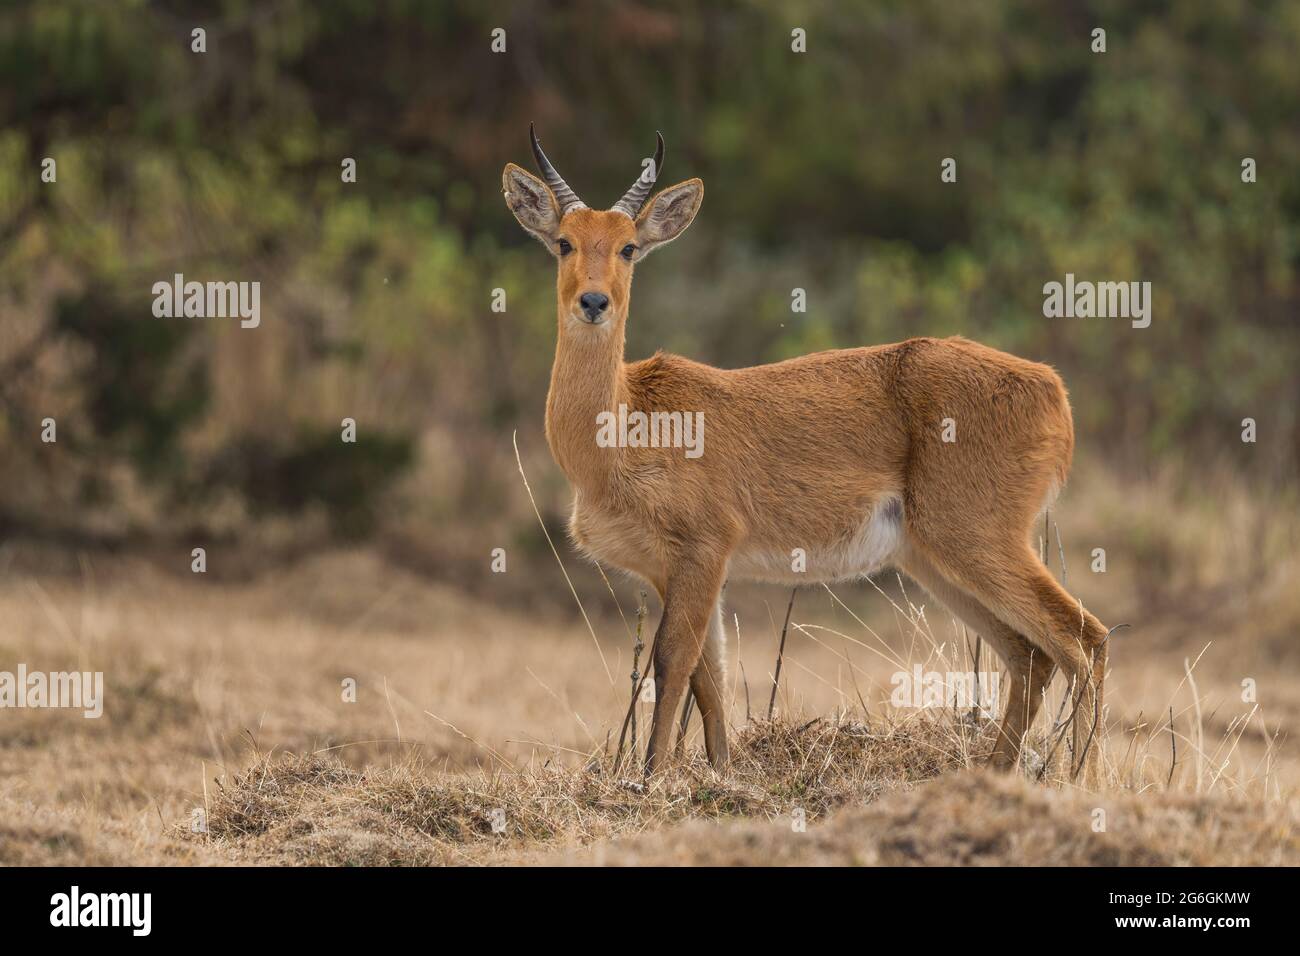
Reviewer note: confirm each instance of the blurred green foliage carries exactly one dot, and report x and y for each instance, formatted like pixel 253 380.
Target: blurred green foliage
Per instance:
pixel 821 171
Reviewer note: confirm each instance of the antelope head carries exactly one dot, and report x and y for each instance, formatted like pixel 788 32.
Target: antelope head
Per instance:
pixel 597 249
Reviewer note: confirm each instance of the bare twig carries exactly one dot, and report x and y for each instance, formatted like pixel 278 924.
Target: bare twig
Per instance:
pixel 780 654
pixel 1173 749
pixel 637 679
pixel 686 719
pixel 637 647
pixel 1060 548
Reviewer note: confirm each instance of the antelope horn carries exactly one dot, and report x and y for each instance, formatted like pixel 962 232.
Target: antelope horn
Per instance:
pixel 635 197
pixel 565 196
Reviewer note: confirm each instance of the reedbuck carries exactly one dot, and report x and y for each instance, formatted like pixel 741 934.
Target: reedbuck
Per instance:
pixel 845 454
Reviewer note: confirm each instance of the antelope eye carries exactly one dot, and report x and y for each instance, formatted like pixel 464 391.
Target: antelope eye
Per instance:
pixel 628 252
pixel 565 248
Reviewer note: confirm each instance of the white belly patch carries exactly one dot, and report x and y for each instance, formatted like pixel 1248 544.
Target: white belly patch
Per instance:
pixel 871 547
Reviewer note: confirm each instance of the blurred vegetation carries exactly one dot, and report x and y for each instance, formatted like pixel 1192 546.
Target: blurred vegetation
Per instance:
pixel 822 172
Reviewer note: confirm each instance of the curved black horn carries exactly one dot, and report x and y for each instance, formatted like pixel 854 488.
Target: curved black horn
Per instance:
pixel 635 197
pixel 565 196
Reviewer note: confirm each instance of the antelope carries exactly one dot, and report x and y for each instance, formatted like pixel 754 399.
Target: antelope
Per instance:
pixel 841 453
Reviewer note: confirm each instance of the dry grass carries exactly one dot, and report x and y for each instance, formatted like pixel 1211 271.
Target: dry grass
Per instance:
pixel 981 819
pixel 226 696
pixel 315 809
pixel 911 798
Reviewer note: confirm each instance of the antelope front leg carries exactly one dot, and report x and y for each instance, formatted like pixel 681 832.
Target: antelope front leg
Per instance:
pixel 690 600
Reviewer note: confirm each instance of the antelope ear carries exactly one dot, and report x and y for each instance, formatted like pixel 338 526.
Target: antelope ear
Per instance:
pixel 532 202
pixel 668 213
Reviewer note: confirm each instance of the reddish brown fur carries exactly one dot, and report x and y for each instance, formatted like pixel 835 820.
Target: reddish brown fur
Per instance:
pixel 809 453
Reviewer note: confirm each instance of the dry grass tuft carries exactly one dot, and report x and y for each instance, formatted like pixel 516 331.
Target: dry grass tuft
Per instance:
pixel 315 809
pixel 897 794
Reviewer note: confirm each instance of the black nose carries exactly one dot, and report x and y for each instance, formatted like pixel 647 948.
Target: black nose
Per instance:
pixel 593 303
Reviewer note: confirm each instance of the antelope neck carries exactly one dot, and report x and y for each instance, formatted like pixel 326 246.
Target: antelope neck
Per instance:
pixel 588 378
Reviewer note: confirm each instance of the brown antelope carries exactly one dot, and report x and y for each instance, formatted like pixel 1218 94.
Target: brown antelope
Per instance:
pixel 847 454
